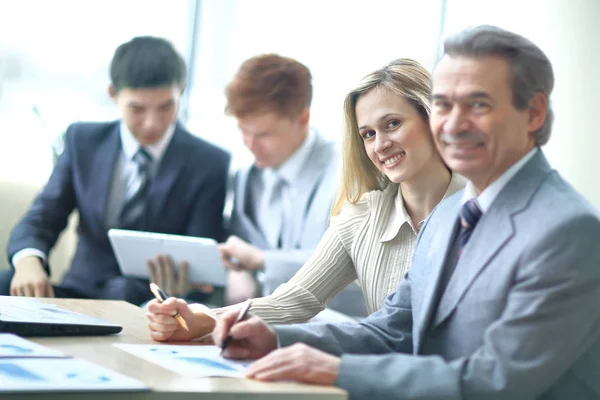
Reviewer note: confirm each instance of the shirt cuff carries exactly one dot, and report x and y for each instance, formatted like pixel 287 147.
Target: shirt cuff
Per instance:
pixel 21 254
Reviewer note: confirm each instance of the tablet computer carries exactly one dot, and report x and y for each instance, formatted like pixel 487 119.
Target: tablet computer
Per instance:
pixel 133 248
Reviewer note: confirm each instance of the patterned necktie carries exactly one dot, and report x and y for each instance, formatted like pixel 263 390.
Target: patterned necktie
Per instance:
pixel 469 216
pixel 135 203
pixel 275 204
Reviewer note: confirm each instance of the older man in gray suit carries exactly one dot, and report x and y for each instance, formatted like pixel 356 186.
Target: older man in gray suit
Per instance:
pixel 502 301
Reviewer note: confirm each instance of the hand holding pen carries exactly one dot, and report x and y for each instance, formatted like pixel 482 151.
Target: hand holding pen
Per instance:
pixel 242 337
pixel 241 315
pixel 160 297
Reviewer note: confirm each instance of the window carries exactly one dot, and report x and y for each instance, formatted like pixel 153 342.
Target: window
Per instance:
pixel 54 58
pixel 340 41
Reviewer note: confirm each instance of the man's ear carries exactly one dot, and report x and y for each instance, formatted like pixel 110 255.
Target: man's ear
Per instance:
pixel 538 108
pixel 112 92
pixel 304 117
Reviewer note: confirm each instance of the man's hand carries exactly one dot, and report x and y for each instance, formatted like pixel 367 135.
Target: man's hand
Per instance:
pixel 163 325
pixel 174 284
pixel 300 363
pixel 238 254
pixel 251 338
pixel 30 279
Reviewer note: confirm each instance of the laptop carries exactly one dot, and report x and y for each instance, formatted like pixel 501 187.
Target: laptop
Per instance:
pixel 27 316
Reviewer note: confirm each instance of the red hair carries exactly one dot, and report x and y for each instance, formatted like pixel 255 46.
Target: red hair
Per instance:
pixel 269 83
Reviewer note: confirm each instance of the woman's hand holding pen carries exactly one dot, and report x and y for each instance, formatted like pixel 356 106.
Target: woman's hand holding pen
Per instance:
pixel 251 338
pixel 164 327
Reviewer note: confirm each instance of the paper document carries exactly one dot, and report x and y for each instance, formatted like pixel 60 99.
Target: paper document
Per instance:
pixel 16 347
pixel 61 374
pixel 194 361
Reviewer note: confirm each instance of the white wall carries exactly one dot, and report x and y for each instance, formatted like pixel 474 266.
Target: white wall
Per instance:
pixel 569 33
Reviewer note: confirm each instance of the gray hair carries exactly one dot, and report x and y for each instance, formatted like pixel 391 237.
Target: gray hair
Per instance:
pixel 531 69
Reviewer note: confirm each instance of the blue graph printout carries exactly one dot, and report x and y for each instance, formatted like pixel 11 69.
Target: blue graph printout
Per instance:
pixel 188 360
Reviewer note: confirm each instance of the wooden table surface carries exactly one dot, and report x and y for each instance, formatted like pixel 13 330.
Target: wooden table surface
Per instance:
pixel 164 383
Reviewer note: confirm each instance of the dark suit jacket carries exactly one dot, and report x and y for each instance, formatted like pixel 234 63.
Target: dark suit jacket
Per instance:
pixel 186 197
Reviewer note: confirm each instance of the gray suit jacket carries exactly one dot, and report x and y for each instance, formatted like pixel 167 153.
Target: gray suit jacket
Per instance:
pixel 319 180
pixel 520 316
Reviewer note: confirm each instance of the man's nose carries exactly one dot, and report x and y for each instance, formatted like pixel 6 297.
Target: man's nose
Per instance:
pixel 152 121
pixel 456 122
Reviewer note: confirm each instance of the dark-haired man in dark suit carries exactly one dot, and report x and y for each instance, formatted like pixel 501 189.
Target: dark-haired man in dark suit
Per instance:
pixel 143 172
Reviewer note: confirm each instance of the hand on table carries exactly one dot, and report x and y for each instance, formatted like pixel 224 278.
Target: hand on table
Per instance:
pixel 298 362
pixel 30 279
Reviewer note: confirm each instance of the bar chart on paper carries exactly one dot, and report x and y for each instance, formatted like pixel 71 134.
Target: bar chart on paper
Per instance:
pixel 64 374
pixel 29 367
pixel 194 361
pixel 13 346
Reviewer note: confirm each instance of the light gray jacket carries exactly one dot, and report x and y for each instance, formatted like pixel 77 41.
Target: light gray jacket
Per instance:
pixel 312 205
pixel 519 319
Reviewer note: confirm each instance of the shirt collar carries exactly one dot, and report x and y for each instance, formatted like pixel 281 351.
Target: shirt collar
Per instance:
pixel 291 168
pixel 130 144
pixel 485 198
pixel 399 216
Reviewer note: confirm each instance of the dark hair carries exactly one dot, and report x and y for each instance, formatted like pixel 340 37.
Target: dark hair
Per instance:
pixel 530 68
pixel 146 62
pixel 269 83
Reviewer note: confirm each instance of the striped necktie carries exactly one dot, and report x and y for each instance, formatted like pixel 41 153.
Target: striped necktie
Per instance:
pixel 469 216
pixel 135 203
pixel 470 213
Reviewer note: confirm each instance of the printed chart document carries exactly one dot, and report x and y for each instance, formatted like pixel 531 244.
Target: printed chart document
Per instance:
pixel 26 366
pixel 194 361
pixel 61 374
pixel 13 346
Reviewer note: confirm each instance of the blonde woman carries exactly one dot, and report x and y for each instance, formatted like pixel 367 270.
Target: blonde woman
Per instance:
pixel 392 178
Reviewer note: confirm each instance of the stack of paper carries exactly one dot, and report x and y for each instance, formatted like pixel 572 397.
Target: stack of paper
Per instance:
pixel 28 367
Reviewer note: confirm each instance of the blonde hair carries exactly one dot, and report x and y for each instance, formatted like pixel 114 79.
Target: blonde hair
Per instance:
pixel 406 78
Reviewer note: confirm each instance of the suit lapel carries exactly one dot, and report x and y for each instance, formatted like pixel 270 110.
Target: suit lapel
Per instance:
pixel 170 169
pixel 245 213
pixel 492 233
pixel 315 165
pixel 440 239
pixel 105 163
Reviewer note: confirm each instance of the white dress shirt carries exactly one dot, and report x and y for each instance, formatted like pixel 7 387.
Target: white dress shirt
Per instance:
pixel 126 170
pixel 485 198
pixel 290 172
pixel 124 174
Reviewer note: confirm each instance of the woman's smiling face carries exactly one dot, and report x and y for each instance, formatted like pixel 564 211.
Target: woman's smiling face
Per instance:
pixel 397 139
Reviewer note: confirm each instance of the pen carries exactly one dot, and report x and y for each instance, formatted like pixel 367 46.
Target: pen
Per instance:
pixel 241 316
pixel 161 296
